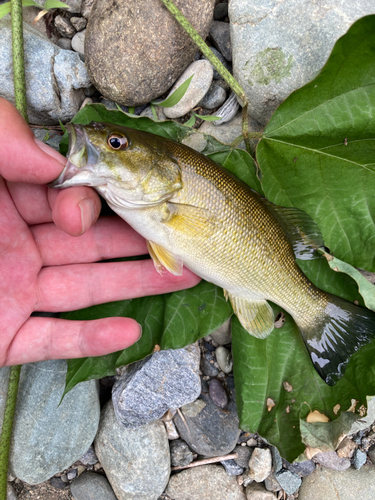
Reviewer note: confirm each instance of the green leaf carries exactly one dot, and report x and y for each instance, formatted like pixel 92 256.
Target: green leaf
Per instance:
pixel 177 95
pixel 131 110
pixel 55 4
pixel 208 118
pixel 5 7
pixel 154 112
pixel 191 121
pixel 318 150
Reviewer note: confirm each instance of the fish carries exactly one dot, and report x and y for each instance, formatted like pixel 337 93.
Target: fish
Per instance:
pixel 195 213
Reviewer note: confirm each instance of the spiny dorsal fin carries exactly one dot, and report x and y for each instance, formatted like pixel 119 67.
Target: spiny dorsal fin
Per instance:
pixel 256 316
pixel 164 259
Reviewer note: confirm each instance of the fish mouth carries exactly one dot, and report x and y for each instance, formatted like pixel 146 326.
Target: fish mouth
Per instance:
pixel 81 158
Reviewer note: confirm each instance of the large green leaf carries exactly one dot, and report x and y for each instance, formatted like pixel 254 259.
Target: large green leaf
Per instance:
pixel 318 150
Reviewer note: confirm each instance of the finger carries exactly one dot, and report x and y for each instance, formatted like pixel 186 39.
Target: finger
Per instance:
pixel 109 238
pixel 50 338
pixel 66 288
pixel 24 158
pixel 31 202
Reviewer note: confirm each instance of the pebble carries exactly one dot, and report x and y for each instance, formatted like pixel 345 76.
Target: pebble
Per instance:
pixel 224 359
pixel 78 42
pixel 181 454
pixel 79 23
pixel 260 464
pixel 72 474
pixel 228 110
pixel 277 461
pixel 346 448
pixel 91 486
pixel 171 430
pixel 330 460
pixel 288 481
pixel 371 454
pixel 58 483
pixel 64 43
pixel 64 27
pixel 223 335
pixel 256 491
pixel 199 85
pixel 214 98
pixel 359 459
pixel 207 365
pixel 204 483
pixel 244 454
pixel 232 468
pixel 218 394
pixel 271 483
pixel 251 442
pixel 129 455
pixel 302 469
pixel 147 389
pixel 220 36
pixel 223 61
pixel 89 458
pixel 221 11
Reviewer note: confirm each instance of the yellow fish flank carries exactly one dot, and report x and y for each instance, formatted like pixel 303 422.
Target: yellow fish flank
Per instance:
pixel 195 213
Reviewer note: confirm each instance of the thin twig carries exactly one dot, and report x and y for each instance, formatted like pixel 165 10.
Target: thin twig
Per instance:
pixel 205 461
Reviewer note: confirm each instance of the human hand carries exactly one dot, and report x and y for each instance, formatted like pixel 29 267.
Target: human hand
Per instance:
pixel 50 243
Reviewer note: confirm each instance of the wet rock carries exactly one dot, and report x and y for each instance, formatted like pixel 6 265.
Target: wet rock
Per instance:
pixel 207 365
pixel 204 483
pixel 64 43
pixel 332 461
pixel 359 459
pixel 209 430
pixel 79 23
pixel 288 481
pixel 219 33
pixel 64 27
pixel 91 486
pixel 256 491
pixel 89 458
pixel 116 41
pixel 223 335
pixel 232 468
pixel 223 61
pixel 280 46
pixel 198 87
pixel 47 436
pixel 260 464
pixel 221 11
pixel 302 469
pixel 146 390
pixel 78 42
pixel 217 393
pixel 244 454
pixel 224 359
pixel 180 453
pixel 128 456
pixel 214 98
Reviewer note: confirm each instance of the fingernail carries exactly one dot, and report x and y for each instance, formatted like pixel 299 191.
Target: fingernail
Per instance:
pixel 50 151
pixel 88 216
pixel 140 332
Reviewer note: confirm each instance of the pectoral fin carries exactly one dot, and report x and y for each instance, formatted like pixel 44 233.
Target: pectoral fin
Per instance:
pixel 256 316
pixel 190 219
pixel 164 259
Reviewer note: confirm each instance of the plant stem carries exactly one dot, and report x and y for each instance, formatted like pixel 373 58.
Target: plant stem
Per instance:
pixel 6 433
pixel 206 51
pixel 18 58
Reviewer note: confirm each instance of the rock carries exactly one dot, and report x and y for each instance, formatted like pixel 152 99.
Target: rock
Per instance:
pixel 129 455
pixel 228 110
pixel 346 448
pixel 171 430
pixel 214 98
pixel 86 7
pixel 146 390
pixel 224 359
pixel 223 61
pixel 64 27
pixel 288 481
pixel 370 453
pixel 256 491
pixel 277 461
pixel 244 454
pixel 11 492
pixel 217 393
pixel 280 46
pixel 58 483
pixel 64 43
pixel 204 483
pixel 198 87
pixel 180 453
pixel 271 483
pixel 50 137
pixel 207 365
pixel 91 486
pixel 359 459
pixel 348 485
pixel 220 36
pixel 29 15
pixel 79 23
pixel 116 41
pixel 78 42
pixel 207 429
pixel 330 460
pixel 72 474
pixel 302 469
pixel 197 142
pixel 223 335
pixel 221 11
pixel 232 468
pixel 48 436
pixel 260 464
pixel 74 5
pixel 55 78
pixel 159 113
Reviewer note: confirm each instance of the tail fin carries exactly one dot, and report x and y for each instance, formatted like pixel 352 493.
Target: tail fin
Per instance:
pixel 340 332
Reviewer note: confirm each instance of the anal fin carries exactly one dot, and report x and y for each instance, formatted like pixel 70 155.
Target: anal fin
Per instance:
pixel 256 316
pixel 162 258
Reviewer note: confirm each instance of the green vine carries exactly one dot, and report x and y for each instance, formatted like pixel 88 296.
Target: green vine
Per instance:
pixel 18 58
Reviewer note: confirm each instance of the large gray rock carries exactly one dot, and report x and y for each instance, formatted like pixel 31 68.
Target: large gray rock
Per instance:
pixel 347 485
pixel 136 461
pixel 278 46
pixel 135 50
pixel 147 390
pixel 55 78
pixel 204 483
pixel 91 486
pixel 47 436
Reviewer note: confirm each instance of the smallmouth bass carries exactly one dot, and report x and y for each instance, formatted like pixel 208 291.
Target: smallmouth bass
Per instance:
pixel 195 213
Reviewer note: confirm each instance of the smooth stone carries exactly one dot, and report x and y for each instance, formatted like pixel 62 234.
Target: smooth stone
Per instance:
pixel 260 464
pixel 224 359
pixel 220 11
pixel 72 474
pixel 197 142
pixel 91 486
pixel 207 365
pixel 206 482
pixel 280 46
pixel 331 460
pixel 232 468
pixel 89 458
pixel 359 459
pixel 214 98
pixel 147 390
pixel 288 481
pixel 181 454
pixel 48 436
pixel 64 27
pixel 55 78
pixel 210 431
pixel 86 8
pixel 302 469
pixel 64 43
pixel 349 485
pixel 220 35
pixel 223 335
pixel 223 61
pixel 79 23
pixel 128 456
pixel 256 491
pixel 121 32
pixel 78 42
pixel 218 394
pixel 244 454
pixel 198 87
pixel 159 113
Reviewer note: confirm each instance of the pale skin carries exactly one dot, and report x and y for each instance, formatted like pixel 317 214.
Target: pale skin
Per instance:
pixel 50 245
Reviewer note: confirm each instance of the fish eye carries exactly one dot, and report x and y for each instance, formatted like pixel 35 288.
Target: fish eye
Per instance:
pixel 117 142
